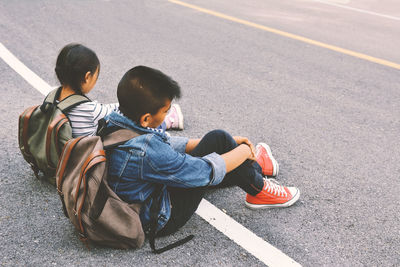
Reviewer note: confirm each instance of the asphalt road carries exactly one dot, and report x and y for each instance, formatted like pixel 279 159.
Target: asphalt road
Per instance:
pixel 332 121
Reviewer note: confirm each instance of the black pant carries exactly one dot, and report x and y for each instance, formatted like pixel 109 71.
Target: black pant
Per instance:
pixel 185 201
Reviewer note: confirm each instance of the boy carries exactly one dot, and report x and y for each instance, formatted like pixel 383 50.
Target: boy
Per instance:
pixel 185 167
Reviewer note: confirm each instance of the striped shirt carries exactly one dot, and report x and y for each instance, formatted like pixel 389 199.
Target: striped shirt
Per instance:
pixel 84 118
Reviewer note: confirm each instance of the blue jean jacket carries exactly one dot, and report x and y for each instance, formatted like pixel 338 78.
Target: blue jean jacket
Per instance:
pixel 154 157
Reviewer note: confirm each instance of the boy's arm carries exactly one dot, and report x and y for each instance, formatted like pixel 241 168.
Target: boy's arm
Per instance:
pixel 233 158
pixel 182 170
pixel 182 144
pixel 237 156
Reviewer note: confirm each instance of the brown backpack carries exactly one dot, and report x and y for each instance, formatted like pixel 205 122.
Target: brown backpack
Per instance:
pixel 95 210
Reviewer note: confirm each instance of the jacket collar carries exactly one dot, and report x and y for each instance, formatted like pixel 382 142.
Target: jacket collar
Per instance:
pixel 118 119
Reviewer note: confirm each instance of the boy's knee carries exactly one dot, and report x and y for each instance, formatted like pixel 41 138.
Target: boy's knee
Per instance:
pixel 222 136
pixel 219 133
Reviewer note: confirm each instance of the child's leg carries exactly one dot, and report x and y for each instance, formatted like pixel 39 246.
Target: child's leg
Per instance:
pixel 261 193
pixel 184 202
pixel 247 176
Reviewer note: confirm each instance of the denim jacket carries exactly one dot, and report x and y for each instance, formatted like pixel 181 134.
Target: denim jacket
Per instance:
pixel 154 157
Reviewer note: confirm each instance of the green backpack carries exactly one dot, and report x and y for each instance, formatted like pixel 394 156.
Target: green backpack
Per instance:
pixel 43 131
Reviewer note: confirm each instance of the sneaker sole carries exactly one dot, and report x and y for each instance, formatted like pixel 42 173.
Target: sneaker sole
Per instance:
pixel 274 162
pixel 180 116
pixel 271 206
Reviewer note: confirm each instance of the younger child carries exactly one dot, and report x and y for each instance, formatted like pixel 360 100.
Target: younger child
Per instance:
pixel 184 167
pixel 77 69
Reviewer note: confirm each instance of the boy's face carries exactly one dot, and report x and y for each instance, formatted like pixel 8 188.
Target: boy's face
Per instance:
pixel 153 121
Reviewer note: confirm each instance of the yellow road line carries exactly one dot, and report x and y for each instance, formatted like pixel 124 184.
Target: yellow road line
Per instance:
pixel 290 35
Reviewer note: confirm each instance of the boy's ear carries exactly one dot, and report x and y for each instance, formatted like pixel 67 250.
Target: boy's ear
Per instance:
pixel 145 120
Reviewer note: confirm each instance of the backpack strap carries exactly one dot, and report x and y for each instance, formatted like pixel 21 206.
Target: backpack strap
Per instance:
pixel 114 136
pixel 50 99
pixel 154 210
pixel 62 164
pixel 71 102
pixel 59 149
pixel 64 105
pixel 118 137
pixel 93 159
pixel 62 119
pixel 53 96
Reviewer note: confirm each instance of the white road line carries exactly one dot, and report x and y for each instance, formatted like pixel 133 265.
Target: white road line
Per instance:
pixel 255 245
pixel 358 10
pixel 24 71
pixel 242 236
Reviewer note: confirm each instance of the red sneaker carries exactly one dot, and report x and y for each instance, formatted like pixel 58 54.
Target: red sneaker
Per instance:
pixel 273 195
pixel 269 165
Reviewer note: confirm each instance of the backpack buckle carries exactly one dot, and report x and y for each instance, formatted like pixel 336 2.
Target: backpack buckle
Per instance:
pixel 101 126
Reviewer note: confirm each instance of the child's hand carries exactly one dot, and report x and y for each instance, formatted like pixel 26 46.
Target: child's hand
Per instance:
pixel 244 140
pixel 253 153
pixel 240 140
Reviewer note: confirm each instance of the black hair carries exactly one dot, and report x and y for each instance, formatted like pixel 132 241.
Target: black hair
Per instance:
pixel 145 90
pixel 73 62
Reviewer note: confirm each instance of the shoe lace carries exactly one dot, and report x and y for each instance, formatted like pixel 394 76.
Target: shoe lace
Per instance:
pixel 272 186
